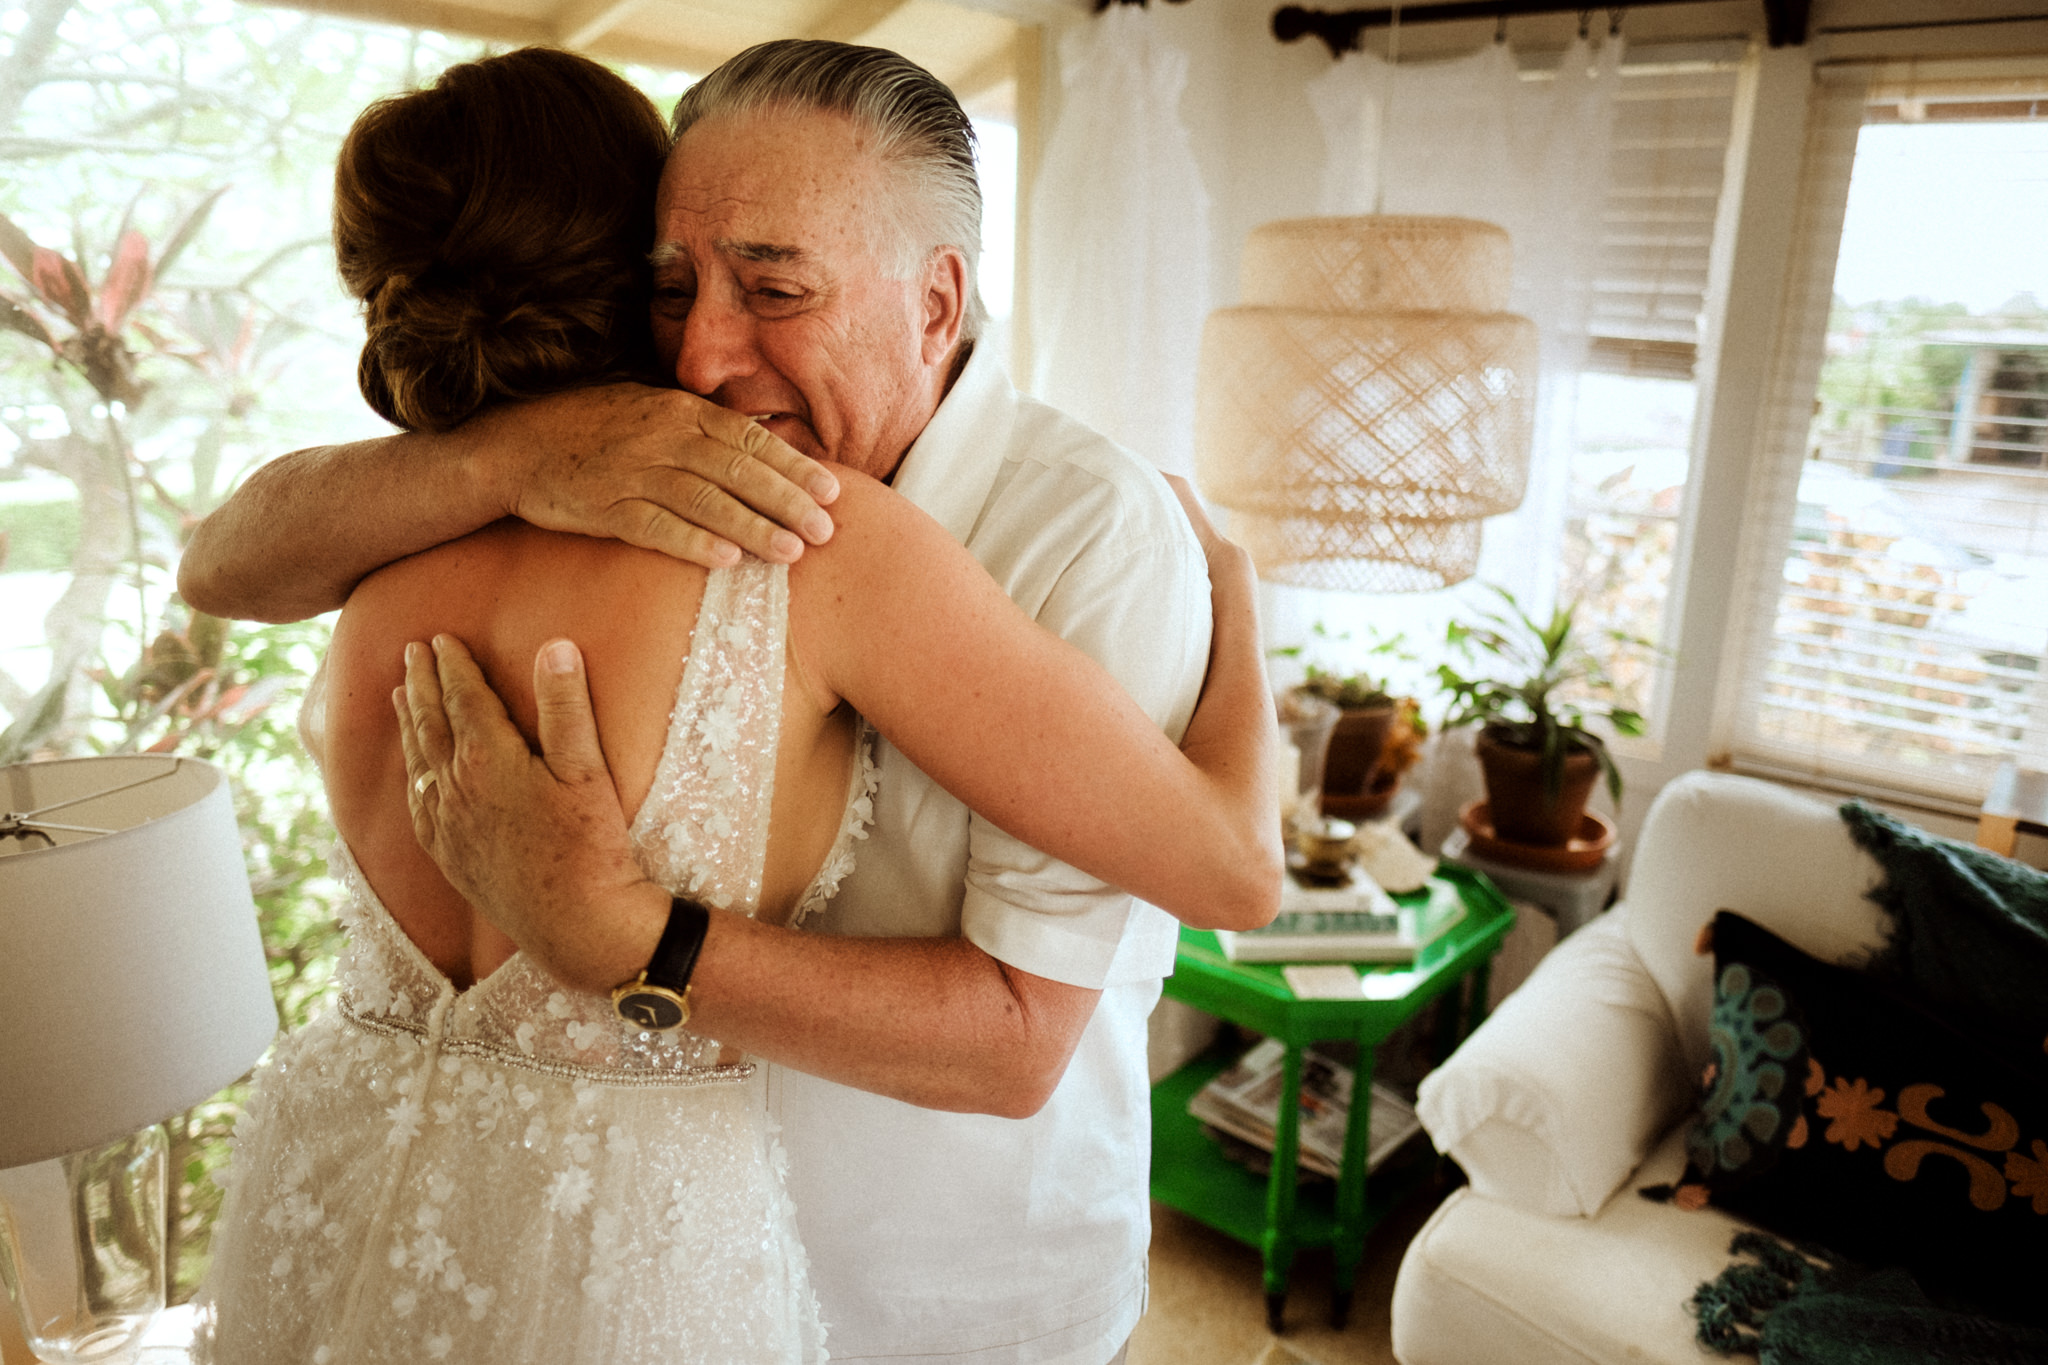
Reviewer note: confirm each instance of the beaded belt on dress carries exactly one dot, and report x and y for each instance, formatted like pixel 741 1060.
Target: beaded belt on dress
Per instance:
pixel 504 1056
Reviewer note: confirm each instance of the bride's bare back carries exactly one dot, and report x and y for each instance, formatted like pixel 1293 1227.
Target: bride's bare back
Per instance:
pixel 505 591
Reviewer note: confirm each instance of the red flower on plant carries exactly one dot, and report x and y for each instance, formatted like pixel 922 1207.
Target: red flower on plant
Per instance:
pixel 1852 1105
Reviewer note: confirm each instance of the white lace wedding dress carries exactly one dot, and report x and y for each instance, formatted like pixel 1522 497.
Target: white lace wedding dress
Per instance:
pixel 509 1173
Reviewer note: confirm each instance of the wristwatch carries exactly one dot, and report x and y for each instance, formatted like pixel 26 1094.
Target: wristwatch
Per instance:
pixel 659 998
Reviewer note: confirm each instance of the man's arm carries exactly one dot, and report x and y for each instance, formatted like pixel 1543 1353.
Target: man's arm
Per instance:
pixel 657 468
pixel 932 1022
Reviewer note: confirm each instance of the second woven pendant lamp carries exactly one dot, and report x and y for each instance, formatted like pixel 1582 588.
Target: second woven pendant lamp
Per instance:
pixel 1369 403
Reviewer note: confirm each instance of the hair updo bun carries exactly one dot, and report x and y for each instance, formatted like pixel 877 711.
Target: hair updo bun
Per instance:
pixel 495 227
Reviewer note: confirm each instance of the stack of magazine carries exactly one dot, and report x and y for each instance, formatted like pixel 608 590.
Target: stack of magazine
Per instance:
pixel 1355 922
pixel 1244 1104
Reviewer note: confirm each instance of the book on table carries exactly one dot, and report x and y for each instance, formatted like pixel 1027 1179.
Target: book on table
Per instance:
pixel 1356 922
pixel 1244 1103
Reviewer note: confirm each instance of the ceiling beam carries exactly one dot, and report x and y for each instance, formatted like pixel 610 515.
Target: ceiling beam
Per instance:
pixel 441 16
pixel 1049 13
pixel 447 16
pixel 579 23
pixel 849 20
pixel 628 47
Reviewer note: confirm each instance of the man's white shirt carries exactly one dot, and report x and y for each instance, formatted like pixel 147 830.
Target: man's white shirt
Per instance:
pixel 964 1239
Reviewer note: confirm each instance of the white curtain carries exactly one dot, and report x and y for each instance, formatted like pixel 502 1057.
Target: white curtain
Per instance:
pixel 1472 138
pixel 1120 243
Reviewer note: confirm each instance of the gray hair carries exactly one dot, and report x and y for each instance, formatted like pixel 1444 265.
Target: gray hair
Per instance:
pixel 919 129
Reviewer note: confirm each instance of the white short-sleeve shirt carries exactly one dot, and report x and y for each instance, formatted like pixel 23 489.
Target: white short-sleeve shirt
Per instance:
pixel 964 1239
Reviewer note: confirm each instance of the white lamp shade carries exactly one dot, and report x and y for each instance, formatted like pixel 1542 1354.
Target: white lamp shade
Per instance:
pixel 1369 403
pixel 132 975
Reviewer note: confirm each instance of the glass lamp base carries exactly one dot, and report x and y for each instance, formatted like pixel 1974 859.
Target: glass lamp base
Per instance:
pixel 82 1249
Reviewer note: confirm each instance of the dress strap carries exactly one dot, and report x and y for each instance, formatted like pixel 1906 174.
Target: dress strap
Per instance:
pixel 703 828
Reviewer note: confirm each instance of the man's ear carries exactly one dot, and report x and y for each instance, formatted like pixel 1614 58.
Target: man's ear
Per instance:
pixel 945 303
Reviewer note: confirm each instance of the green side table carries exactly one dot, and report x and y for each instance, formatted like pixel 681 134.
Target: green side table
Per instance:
pixel 1189 1170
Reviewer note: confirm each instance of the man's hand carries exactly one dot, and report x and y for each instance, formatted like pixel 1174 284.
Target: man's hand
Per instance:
pixel 534 842
pixel 664 470
pixel 657 468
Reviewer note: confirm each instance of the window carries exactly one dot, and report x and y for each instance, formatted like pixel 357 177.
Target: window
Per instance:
pixel 1671 128
pixel 996 160
pixel 1901 641
pixel 1636 400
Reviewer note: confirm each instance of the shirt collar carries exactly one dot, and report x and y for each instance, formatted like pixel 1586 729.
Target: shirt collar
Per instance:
pixel 951 467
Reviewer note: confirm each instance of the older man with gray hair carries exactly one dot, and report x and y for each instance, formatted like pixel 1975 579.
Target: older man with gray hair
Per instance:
pixel 964 1102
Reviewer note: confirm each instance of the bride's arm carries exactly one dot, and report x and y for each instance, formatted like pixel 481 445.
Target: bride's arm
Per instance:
pixel 1033 734
pixel 658 468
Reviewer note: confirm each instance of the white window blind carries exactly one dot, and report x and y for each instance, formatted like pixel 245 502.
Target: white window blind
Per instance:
pixel 1896 568
pixel 1673 113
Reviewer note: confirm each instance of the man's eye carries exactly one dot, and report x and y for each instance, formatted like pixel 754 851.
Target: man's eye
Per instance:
pixel 776 295
pixel 673 294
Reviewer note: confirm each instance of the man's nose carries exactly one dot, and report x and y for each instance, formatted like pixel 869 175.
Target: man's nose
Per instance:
pixel 718 345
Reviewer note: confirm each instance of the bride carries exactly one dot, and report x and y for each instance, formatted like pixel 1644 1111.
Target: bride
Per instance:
pixel 473 1156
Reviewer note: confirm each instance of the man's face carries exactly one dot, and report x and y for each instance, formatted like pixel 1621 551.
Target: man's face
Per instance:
pixel 772 296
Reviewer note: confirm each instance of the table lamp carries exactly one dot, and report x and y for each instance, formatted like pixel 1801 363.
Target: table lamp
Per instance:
pixel 1369 403
pixel 132 986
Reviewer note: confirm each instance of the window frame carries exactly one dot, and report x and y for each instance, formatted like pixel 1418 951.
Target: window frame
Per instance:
pixel 1775 254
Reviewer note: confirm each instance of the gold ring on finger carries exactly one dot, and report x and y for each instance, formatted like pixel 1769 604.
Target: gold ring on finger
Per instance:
pixel 424 781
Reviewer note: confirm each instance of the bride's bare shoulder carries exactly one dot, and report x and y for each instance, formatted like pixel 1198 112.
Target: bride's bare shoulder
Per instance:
pixel 876 531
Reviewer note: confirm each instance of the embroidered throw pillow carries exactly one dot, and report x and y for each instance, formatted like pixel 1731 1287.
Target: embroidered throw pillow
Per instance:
pixel 1838 1113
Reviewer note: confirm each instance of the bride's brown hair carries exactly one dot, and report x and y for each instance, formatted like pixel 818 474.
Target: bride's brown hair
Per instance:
pixel 496 227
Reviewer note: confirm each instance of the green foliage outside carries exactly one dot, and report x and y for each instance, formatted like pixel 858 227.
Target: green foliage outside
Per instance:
pixel 1883 375
pixel 170 318
pixel 38 537
pixel 1888 379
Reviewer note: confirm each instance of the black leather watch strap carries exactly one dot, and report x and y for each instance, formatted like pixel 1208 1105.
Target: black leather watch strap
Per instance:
pixel 675 957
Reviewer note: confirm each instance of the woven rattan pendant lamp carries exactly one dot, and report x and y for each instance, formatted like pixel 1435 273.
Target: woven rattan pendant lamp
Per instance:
pixel 1370 401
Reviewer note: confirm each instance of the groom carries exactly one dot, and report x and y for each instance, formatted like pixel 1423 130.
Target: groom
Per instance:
pixel 971 1179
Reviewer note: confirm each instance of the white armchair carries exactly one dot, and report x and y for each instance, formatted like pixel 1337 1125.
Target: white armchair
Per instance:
pixel 1573 1094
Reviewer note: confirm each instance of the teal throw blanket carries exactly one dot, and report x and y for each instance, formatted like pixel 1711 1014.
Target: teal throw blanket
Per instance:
pixel 1969 932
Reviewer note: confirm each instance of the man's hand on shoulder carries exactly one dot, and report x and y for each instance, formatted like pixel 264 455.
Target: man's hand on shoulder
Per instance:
pixel 661 469
pixel 657 468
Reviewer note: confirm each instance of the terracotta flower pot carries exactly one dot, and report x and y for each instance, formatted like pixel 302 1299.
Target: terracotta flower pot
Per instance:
pixel 1523 812
pixel 1354 787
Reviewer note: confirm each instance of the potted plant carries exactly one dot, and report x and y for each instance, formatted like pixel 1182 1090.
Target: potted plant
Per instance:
pixel 1377 739
pixel 1533 703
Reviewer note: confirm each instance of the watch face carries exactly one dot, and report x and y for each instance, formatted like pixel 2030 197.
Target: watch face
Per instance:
pixel 650 1008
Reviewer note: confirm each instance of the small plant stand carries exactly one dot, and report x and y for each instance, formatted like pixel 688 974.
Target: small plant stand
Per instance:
pixel 1571 898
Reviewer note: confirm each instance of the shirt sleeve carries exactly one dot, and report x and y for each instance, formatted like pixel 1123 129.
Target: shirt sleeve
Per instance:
pixel 1140 607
